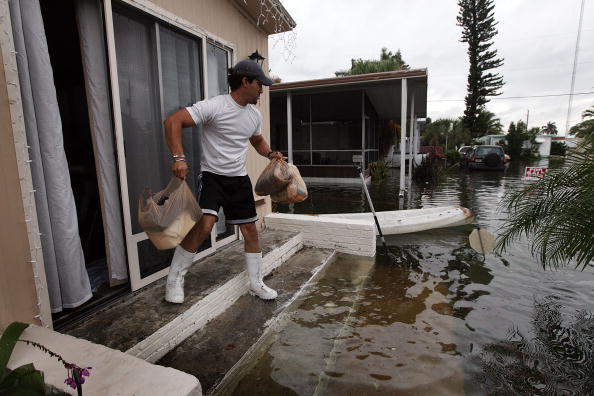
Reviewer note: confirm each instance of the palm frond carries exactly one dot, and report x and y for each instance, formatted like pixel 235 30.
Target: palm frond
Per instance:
pixel 556 213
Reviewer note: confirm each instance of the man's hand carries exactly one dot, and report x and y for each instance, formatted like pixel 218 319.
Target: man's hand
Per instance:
pixel 180 169
pixel 277 155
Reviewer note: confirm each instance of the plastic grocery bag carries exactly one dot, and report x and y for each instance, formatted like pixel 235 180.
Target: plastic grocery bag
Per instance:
pixel 168 215
pixel 273 178
pixel 295 191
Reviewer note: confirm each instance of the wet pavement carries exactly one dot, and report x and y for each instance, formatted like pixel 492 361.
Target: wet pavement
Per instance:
pixel 210 352
pixel 433 316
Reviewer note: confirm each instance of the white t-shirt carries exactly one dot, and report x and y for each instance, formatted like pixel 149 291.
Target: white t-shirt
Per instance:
pixel 226 129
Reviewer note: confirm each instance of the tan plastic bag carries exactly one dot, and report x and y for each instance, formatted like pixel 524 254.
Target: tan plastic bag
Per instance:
pixel 296 190
pixel 168 215
pixel 273 178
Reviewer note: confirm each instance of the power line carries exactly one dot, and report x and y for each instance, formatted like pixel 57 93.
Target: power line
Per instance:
pixel 516 97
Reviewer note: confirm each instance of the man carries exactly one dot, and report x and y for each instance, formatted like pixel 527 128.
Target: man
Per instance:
pixel 228 123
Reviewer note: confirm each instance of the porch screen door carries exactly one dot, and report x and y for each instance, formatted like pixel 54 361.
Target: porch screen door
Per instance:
pixel 158 72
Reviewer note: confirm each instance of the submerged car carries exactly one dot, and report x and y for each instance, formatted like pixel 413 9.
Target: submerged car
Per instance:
pixel 487 158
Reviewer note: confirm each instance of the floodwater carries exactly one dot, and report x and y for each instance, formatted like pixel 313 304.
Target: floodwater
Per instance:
pixel 431 316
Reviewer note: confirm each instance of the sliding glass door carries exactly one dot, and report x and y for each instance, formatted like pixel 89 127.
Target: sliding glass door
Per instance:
pixel 159 71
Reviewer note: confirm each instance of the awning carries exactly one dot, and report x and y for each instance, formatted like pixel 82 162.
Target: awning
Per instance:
pixel 383 89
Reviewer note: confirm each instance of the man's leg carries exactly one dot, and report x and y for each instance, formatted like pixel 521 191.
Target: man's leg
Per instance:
pixel 184 257
pixel 199 233
pixel 253 261
pixel 251 243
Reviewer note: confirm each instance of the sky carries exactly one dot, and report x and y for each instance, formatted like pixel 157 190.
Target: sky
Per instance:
pixel 536 39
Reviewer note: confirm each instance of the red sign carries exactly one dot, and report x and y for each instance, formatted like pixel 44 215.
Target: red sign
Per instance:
pixel 535 173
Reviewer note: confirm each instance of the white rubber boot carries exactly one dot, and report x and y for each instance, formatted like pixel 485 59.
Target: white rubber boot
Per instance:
pixel 253 263
pixel 180 264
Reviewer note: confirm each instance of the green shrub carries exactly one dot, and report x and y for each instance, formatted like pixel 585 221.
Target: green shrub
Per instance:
pixel 429 172
pixel 453 157
pixel 558 148
pixel 379 171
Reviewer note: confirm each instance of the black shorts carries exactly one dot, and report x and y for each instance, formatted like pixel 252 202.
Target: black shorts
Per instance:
pixel 233 193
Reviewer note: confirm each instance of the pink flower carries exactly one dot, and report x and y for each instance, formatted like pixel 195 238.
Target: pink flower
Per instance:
pixel 70 382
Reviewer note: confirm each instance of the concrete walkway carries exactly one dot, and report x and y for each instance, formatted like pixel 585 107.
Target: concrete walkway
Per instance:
pixel 219 323
pixel 146 326
pixel 212 351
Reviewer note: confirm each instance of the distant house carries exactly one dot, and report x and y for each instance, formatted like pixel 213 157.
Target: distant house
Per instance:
pixel 543 142
pixel 570 142
pixel 86 86
pixel 327 125
pixel 491 140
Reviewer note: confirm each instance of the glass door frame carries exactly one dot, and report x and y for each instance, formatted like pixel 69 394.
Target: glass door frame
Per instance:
pixel 132 240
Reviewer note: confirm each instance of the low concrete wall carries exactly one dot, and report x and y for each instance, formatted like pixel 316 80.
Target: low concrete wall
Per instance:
pixel 113 372
pixel 347 236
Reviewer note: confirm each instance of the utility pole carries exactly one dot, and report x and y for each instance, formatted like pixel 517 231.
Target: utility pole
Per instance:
pixel 575 58
pixel 527 116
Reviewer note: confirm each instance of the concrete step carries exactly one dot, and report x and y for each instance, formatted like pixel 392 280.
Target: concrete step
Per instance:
pixel 225 342
pixel 147 327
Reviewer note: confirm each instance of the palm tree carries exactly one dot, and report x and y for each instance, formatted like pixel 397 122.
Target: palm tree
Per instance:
pixel 488 123
pixel 550 128
pixel 557 212
pixel 584 129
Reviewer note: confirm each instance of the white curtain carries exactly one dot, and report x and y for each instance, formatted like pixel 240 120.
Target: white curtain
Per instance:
pixel 94 60
pixel 67 278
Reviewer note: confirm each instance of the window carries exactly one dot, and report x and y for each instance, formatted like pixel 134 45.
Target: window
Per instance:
pixel 485 150
pixel 217 60
pixel 158 73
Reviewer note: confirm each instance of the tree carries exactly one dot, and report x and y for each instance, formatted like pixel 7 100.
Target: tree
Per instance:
pixel 550 128
pixel 396 58
pixel 588 113
pixel 436 132
pixel 556 212
pixel 489 123
pixel 478 29
pixel 584 129
pixel 558 148
pixel 387 62
pixel 515 137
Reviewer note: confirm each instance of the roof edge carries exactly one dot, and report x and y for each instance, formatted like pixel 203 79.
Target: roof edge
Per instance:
pixel 279 23
pixel 393 75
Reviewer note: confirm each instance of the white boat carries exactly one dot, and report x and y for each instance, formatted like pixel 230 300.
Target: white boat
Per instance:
pixel 413 220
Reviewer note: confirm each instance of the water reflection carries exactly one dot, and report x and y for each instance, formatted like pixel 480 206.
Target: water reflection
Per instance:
pixel 556 359
pixel 430 315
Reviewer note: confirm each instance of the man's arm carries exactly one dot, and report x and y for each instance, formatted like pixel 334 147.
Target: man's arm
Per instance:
pixel 173 136
pixel 262 147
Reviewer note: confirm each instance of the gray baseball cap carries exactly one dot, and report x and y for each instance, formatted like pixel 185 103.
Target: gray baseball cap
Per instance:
pixel 250 68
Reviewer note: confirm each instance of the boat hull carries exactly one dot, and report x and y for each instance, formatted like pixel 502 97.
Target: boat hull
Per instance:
pixel 413 220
